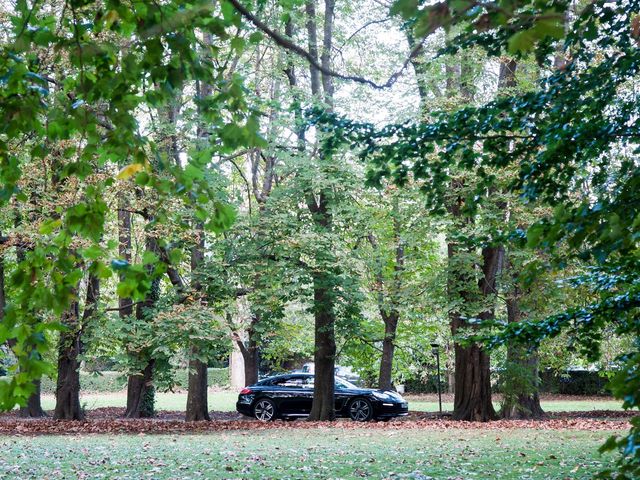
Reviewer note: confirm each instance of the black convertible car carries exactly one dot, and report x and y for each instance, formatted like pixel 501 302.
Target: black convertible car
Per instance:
pixel 290 396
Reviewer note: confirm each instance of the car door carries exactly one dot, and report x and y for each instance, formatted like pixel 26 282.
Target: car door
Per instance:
pixel 341 395
pixel 306 399
pixel 289 394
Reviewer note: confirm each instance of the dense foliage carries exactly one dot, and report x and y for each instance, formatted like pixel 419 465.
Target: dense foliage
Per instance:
pixel 573 139
pixel 166 200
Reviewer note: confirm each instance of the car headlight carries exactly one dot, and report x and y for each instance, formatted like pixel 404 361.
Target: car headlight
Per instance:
pixel 382 395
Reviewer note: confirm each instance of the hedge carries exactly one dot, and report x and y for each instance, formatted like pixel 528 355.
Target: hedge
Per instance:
pixel 574 382
pixel 110 381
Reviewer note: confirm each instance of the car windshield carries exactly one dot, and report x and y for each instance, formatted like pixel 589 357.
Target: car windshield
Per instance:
pixel 342 383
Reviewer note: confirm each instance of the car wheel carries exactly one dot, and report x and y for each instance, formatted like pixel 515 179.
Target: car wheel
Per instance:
pixel 264 410
pixel 360 410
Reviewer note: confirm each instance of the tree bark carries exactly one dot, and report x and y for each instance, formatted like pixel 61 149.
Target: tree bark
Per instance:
pixel 323 407
pixel 249 352
pixel 68 383
pixel 388 349
pixel 312 33
pixel 389 310
pixel 472 393
pixel 141 394
pixel 197 396
pixel 33 408
pixel 140 390
pixel 198 385
pixel 521 396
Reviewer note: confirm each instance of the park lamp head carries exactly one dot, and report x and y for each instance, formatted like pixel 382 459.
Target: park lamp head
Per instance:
pixel 434 348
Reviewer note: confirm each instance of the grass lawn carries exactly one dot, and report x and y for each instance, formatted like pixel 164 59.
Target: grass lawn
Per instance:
pixel 325 453
pixel 225 401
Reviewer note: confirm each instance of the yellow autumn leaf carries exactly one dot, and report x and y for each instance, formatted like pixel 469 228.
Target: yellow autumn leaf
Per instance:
pixel 110 18
pixel 129 171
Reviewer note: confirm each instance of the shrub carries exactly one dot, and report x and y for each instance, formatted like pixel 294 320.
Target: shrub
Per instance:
pixel 110 381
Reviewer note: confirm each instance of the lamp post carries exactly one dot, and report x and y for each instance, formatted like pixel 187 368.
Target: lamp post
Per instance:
pixel 435 349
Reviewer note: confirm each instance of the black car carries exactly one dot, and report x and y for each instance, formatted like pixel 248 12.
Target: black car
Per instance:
pixel 290 396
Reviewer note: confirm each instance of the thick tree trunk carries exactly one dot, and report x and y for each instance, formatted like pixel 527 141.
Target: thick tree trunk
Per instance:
pixel 250 358
pixel 323 407
pixel 198 394
pixel 197 398
pixel 523 405
pixel 388 349
pixel 472 377
pixel 140 389
pixel 472 391
pixel 472 382
pixel 68 384
pixel 249 353
pixel 521 397
pixel 33 408
pixel 141 394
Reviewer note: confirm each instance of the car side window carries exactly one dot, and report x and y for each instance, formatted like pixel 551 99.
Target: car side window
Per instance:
pixel 290 382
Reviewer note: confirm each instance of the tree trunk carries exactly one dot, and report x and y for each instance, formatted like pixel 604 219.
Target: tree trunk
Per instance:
pixel 522 381
pixel 140 394
pixel 388 348
pixel 197 397
pixel 323 407
pixel 140 397
pixel 472 378
pixel 125 305
pixel 250 358
pixel 33 408
pixel 472 393
pixel 249 353
pixel 198 393
pixel 140 390
pixel 68 383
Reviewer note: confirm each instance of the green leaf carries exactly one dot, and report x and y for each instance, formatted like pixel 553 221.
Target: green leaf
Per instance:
pixel 521 42
pixel 256 37
pixel 49 226
pixel 404 8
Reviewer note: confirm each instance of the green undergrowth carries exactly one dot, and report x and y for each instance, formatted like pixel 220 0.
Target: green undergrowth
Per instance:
pixel 111 381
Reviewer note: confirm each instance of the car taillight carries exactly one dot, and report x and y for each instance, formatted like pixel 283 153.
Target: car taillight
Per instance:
pixel 245 391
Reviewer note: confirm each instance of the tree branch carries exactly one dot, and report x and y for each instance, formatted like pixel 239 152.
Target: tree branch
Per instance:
pixel 284 42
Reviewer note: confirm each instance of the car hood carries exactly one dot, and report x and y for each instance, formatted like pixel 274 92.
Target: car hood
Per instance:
pixel 390 394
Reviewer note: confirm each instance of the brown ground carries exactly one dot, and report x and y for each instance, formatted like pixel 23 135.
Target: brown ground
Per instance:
pixel 109 420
